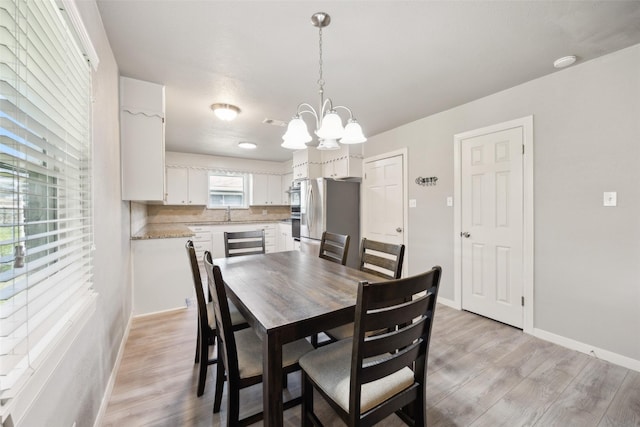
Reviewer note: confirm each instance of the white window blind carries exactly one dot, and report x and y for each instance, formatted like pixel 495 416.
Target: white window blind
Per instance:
pixel 45 184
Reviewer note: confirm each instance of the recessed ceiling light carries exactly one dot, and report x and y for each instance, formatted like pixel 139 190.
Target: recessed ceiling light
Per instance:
pixel 565 61
pixel 225 112
pixel 247 145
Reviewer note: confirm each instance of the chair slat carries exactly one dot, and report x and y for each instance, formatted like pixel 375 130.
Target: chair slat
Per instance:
pixel 397 314
pixel 334 247
pixel 236 243
pixel 394 340
pixel 393 364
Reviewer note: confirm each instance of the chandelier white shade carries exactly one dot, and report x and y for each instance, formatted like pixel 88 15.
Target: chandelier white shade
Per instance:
pixel 328 124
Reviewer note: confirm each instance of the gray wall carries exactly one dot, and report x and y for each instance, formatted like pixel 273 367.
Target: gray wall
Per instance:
pixel 76 389
pixel 586 141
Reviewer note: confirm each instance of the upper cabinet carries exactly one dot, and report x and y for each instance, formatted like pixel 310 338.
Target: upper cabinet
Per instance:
pixel 286 181
pixel 187 186
pixel 343 163
pixel 307 164
pixel 266 189
pixel 142 106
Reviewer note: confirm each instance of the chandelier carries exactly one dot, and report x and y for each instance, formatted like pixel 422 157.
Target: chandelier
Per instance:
pixel 328 124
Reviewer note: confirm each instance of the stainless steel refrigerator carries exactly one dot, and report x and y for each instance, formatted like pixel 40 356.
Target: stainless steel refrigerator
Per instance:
pixel 334 206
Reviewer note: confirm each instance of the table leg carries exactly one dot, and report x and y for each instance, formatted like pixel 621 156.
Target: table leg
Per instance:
pixel 272 380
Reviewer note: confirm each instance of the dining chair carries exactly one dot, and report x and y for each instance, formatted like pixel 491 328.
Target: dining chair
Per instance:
pixel 206 322
pixel 244 243
pixel 379 258
pixel 334 247
pixel 241 353
pixel 369 377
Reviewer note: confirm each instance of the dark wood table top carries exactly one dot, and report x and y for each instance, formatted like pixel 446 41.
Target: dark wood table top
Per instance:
pixel 291 288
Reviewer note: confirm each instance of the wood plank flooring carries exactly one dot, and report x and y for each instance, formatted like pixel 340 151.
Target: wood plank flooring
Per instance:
pixel 481 373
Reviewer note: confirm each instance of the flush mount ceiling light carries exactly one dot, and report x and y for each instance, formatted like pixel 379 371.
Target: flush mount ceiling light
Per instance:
pixel 565 61
pixel 328 124
pixel 225 112
pixel 247 145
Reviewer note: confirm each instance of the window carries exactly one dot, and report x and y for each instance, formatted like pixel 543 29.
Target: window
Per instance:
pixel 228 190
pixel 46 233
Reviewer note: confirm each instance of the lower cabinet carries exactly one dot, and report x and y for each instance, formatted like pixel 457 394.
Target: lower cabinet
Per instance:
pixel 285 238
pixel 161 275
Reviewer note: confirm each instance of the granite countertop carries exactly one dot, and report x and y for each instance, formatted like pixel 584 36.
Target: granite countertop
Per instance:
pixel 182 230
pixel 163 231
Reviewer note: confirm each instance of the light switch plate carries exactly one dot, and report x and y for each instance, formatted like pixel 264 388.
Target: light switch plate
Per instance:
pixel 449 201
pixel 412 203
pixel 610 198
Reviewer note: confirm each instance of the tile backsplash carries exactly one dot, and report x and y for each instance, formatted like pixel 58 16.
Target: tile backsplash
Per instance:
pixel 160 214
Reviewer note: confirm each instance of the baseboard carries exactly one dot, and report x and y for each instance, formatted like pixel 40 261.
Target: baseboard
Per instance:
pixel 448 302
pixel 112 377
pixel 154 313
pixel 598 353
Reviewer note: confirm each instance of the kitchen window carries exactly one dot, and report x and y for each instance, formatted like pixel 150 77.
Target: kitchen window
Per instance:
pixel 228 190
pixel 46 216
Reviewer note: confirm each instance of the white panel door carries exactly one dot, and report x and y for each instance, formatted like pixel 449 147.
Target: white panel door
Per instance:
pixel 492 225
pixel 382 212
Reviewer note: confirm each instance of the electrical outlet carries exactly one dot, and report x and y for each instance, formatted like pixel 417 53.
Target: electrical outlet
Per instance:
pixel 610 198
pixel 412 203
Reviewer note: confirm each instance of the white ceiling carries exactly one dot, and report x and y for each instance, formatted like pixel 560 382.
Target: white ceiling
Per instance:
pixel 391 62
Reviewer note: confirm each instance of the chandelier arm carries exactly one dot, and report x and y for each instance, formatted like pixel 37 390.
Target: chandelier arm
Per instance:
pixel 345 108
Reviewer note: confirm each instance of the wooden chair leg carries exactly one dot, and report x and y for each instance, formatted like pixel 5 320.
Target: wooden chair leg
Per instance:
pixel 233 407
pixel 204 362
pixel 307 401
pixel 220 377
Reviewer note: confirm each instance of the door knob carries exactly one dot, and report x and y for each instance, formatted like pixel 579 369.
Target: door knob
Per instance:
pixel 465 234
pixel 399 230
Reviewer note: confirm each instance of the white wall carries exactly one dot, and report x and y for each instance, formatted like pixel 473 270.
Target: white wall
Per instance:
pixel 586 141
pixel 76 389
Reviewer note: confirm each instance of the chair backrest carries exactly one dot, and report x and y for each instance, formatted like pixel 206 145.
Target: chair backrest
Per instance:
pixel 334 247
pixel 381 259
pixel 244 243
pixel 227 349
pixel 406 342
pixel 197 283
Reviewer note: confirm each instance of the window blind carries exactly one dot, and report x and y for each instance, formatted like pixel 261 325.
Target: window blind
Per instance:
pixel 45 184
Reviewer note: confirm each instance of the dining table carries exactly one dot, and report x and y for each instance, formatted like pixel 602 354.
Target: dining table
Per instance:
pixel 286 296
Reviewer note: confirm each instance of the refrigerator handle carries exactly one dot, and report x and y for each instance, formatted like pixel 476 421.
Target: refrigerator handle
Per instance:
pixel 310 209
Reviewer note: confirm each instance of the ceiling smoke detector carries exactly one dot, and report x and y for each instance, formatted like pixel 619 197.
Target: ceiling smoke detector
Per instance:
pixel 565 61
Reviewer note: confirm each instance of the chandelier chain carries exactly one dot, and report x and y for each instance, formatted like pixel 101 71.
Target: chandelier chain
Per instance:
pixel 320 79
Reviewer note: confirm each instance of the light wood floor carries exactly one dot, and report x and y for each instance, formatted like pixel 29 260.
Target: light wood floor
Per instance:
pixel 481 373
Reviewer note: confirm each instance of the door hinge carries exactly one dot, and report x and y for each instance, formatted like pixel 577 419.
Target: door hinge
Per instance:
pixel 522 300
pixel 522 148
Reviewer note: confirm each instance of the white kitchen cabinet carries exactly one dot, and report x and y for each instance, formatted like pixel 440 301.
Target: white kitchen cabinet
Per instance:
pixel 307 164
pixel 187 186
pixel 162 278
pixel 201 240
pixel 285 240
pixel 266 189
pixel 343 163
pixel 142 106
